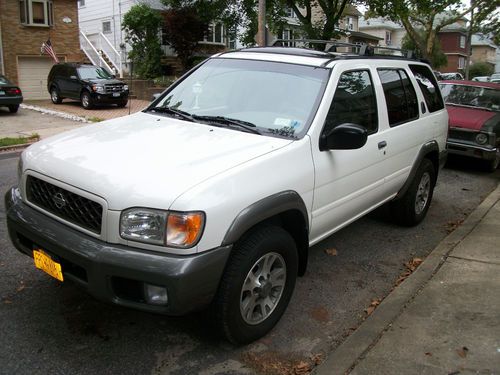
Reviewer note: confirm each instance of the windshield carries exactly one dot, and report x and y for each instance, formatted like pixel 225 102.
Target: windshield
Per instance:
pixel 93 72
pixel 471 96
pixel 275 98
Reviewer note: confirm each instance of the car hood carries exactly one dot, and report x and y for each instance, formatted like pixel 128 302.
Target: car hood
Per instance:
pixel 144 159
pixel 468 118
pixel 104 81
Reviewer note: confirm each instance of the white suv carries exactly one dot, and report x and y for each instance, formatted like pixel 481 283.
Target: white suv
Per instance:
pixel 213 195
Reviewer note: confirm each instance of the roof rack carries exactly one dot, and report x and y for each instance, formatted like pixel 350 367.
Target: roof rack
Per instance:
pixel 331 47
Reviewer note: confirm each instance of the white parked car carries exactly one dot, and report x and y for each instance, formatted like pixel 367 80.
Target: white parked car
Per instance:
pixel 481 79
pixel 213 195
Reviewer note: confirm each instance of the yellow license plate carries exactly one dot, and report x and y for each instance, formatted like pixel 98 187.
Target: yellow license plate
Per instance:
pixel 46 264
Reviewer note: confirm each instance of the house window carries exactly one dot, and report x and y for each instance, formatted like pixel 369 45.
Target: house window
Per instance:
pixel 287 34
pixel 215 34
pixel 81 3
pixel 461 62
pixel 36 12
pixel 349 23
pixel 462 41
pixel 289 13
pixel 106 27
pixel 388 40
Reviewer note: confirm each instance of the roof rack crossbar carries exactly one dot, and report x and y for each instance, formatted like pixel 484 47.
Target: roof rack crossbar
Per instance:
pixel 360 49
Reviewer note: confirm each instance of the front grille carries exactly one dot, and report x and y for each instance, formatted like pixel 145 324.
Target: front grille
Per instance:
pixel 461 135
pixel 65 204
pixel 113 88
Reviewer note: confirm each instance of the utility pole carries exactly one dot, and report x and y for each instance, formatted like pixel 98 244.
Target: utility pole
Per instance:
pixel 261 34
pixel 469 41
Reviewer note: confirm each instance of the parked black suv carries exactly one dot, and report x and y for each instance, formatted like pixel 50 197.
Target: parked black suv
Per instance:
pixel 89 84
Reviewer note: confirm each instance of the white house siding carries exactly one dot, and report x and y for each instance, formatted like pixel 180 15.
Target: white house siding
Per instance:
pixel 92 15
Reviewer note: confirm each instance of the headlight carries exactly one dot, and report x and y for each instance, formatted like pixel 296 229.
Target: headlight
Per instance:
pixel 98 88
pixel 174 229
pixel 125 87
pixel 482 138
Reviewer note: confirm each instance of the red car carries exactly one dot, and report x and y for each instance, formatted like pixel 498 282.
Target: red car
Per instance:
pixel 474 120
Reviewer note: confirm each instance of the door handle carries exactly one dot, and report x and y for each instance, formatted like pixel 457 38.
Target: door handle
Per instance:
pixel 382 144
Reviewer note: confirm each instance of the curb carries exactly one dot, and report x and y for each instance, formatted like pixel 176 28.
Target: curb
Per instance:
pixel 55 113
pixel 346 356
pixel 8 149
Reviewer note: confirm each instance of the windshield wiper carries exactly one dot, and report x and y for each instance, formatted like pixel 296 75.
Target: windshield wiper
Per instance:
pixel 177 112
pixel 247 126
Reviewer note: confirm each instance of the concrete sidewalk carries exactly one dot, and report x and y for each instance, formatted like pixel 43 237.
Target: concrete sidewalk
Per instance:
pixel 445 318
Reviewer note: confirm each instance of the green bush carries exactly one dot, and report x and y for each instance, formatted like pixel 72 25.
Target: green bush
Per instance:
pixel 480 69
pixel 141 24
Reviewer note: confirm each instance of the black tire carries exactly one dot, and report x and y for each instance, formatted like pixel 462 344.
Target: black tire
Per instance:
pixel 122 104
pixel 55 96
pixel 13 108
pixel 411 208
pixel 264 242
pixel 86 100
pixel 492 165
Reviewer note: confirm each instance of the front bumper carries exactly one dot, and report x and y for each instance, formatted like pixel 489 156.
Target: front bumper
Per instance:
pixel 471 149
pixel 109 98
pixel 116 273
pixel 10 100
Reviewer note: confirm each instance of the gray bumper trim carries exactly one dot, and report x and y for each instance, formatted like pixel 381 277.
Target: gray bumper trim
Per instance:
pixel 191 280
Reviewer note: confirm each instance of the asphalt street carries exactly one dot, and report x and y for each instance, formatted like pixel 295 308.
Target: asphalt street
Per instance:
pixel 47 327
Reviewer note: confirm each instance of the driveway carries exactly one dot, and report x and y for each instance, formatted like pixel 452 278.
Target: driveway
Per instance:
pixel 26 122
pixel 97 114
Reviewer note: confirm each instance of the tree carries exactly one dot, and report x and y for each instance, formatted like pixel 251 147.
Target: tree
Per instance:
pixel 184 29
pixel 142 24
pixel 437 58
pixel 430 16
pixel 480 69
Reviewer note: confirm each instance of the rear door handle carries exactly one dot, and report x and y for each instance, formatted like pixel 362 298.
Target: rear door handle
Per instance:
pixel 382 144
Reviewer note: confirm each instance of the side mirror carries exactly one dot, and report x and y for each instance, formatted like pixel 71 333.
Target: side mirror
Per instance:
pixel 113 76
pixel 344 137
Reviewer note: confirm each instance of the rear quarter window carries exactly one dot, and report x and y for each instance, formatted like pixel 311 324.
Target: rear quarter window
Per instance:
pixel 429 87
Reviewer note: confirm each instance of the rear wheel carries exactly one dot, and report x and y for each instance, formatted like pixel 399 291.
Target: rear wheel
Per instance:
pixel 257 285
pixel 55 96
pixel 412 207
pixel 13 108
pixel 86 100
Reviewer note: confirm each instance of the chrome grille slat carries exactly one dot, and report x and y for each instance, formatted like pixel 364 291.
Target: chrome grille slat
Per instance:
pixel 76 209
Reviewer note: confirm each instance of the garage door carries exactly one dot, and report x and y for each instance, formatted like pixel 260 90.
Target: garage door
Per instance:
pixel 33 72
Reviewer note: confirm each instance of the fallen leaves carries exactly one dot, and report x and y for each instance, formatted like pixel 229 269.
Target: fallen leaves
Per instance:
pixel 462 352
pixel 273 363
pixel 410 266
pixel 333 251
pixel 373 305
pixel 452 225
pixel 320 314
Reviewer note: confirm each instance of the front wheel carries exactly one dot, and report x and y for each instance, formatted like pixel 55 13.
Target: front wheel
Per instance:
pixel 492 165
pixel 55 96
pixel 412 207
pixel 257 285
pixel 122 104
pixel 86 100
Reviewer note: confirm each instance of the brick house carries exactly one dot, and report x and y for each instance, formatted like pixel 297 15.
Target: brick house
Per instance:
pixel 453 39
pixel 24 26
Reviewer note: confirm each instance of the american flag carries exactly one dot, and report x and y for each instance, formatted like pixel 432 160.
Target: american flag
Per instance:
pixel 47 48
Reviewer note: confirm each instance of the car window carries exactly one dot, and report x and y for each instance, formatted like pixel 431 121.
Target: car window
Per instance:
pixel 93 72
pixel 354 102
pixel 400 96
pixel 471 96
pixel 428 86
pixel 3 81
